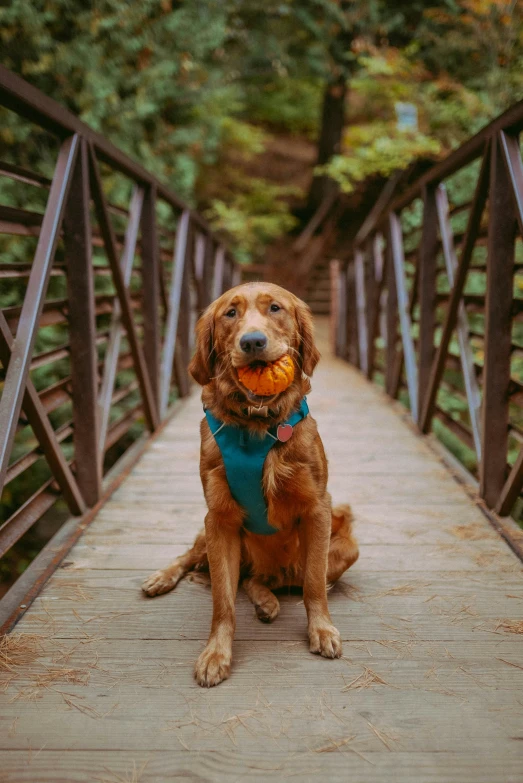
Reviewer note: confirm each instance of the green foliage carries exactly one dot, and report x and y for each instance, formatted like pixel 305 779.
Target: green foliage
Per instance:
pixel 479 42
pixel 245 139
pixel 254 215
pixel 459 63
pixel 373 144
pixel 376 149
pixel 287 104
pixel 164 82
pixel 249 210
pixel 138 73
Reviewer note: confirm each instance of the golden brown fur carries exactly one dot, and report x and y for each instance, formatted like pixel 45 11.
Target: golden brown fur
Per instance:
pixel 314 545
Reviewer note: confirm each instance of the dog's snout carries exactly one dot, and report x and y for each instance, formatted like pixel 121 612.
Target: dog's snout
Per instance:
pixel 253 342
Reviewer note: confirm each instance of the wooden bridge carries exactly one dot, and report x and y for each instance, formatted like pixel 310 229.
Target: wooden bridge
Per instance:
pixel 95 679
pixel 430 686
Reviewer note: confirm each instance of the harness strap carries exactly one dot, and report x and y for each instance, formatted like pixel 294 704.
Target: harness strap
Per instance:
pixel 244 455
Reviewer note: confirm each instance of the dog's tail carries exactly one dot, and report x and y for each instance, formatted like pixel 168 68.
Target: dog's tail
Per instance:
pixel 342 516
pixel 343 547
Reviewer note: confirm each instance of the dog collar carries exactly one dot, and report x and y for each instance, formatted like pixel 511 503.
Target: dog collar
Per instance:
pixel 244 455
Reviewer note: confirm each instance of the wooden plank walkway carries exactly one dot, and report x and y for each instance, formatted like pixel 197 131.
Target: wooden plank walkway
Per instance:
pixel 430 687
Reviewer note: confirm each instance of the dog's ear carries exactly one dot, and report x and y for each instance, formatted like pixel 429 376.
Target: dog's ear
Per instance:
pixel 202 364
pixel 310 356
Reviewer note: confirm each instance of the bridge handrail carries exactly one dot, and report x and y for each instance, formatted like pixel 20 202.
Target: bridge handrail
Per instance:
pixel 127 327
pixel 400 296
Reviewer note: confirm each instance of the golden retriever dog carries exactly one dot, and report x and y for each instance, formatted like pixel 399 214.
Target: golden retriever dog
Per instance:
pixel 311 544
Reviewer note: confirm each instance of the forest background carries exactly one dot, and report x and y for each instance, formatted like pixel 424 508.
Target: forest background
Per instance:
pixel 203 93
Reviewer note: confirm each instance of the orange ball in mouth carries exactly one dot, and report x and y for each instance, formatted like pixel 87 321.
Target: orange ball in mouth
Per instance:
pixel 268 379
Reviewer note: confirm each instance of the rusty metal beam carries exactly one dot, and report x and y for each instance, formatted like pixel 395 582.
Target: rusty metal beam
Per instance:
pixel 151 412
pixel 469 240
pixel 409 355
pixel 427 263
pixel 116 328
pixel 151 290
pixel 173 315
pixel 462 324
pixel 22 349
pixel 498 329
pixel 42 429
pixel 83 339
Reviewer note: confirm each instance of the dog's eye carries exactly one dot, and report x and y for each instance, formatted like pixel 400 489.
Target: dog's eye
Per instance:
pixel 275 308
pixel 231 313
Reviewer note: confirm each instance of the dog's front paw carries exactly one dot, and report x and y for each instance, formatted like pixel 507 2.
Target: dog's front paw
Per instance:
pixel 162 581
pixel 325 640
pixel 213 666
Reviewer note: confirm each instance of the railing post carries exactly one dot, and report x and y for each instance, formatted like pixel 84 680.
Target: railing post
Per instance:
pixel 175 295
pixel 352 321
pixel 122 290
pixel 376 273
pixel 219 270
pixel 361 310
pixel 236 278
pixel 182 352
pixel 371 285
pixel 82 331
pixel 112 352
pixel 514 166
pixel 342 324
pixel 449 323
pixel 208 272
pixel 200 247
pixel 338 315
pixel 227 276
pixel 404 309
pixel 391 322
pixel 462 324
pixel 498 329
pixel 427 290
pixel 20 361
pixel 151 290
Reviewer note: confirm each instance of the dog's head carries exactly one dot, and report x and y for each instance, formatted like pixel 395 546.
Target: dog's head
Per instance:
pixel 251 324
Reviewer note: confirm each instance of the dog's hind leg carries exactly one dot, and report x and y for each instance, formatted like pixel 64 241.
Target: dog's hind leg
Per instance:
pixel 265 602
pixel 195 559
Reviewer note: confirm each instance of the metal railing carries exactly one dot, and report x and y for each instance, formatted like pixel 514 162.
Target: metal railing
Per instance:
pixel 127 281
pixel 429 303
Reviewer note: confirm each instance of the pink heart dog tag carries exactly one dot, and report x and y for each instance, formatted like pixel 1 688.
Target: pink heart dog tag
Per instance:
pixel 284 432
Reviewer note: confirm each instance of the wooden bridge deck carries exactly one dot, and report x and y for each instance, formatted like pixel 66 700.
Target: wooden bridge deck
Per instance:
pixel 430 687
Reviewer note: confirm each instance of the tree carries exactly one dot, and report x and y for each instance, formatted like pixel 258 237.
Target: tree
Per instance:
pixel 333 107
pixel 377 23
pixel 458 63
pixel 170 84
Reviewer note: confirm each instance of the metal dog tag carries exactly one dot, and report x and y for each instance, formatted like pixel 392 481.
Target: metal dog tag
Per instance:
pixel 284 432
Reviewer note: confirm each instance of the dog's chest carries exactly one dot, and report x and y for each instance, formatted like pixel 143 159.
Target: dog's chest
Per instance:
pixel 251 479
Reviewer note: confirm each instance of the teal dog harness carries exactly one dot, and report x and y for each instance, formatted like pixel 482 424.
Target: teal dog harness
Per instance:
pixel 244 456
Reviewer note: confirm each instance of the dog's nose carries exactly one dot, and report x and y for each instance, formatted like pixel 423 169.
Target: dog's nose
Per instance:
pixel 253 342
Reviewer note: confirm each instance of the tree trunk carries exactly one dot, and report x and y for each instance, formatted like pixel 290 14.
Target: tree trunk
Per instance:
pixel 329 143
